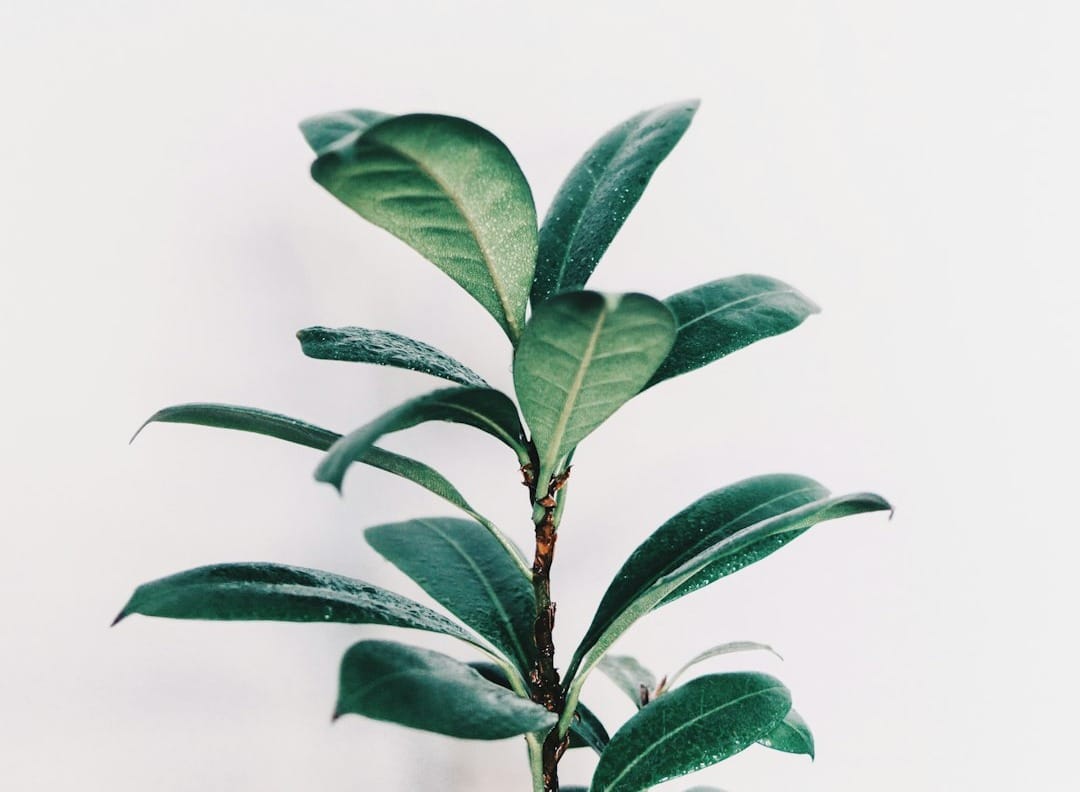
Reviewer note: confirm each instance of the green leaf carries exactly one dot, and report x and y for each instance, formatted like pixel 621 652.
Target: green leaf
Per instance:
pixel 275 592
pixel 721 317
pixel 431 691
pixel 722 649
pixel 330 130
pixel 360 345
pixel 628 675
pixel 482 408
pixel 598 195
pixel 586 730
pixel 469 573
pixel 701 723
pixel 581 357
pixel 719 534
pixel 453 192
pixel 792 735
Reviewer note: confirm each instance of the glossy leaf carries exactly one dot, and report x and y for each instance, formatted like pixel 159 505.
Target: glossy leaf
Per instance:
pixel 719 534
pixel 248 419
pixel 628 675
pixel 431 691
pixel 453 192
pixel 582 356
pixel 598 195
pixel 586 730
pixel 325 132
pixel 469 573
pixel 730 647
pixel 361 345
pixel 482 408
pixel 275 592
pixel 701 723
pixel 792 735
pixel 721 317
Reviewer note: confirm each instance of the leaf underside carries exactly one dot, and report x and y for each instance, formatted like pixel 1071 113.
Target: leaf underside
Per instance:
pixel 428 690
pixel 451 191
pixel 328 130
pixel 792 735
pixel 628 675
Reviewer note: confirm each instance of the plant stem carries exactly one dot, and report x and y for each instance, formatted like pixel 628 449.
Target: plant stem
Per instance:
pixel 546 686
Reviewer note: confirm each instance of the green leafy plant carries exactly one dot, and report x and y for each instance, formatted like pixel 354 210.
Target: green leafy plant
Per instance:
pixel 453 192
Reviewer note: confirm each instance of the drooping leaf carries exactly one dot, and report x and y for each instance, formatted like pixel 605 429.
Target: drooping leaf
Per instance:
pixel 586 730
pixel 453 192
pixel 722 649
pixel 329 130
pixel 721 317
pixel 483 408
pixel 701 723
pixel 792 735
pixel 469 573
pixel 361 345
pixel 276 592
pixel 431 691
pixel 598 195
pixel 582 356
pixel 628 675
pixel 719 534
pixel 248 419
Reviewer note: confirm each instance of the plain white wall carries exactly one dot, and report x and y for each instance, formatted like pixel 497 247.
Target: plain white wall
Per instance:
pixel 911 166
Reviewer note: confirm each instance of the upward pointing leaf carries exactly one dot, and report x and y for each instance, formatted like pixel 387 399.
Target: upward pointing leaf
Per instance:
pixel 718 318
pixel 323 132
pixel 582 356
pixel 598 195
pixel 722 649
pixel 628 675
pixel 467 571
pixel 361 345
pixel 275 592
pixel 453 192
pixel 431 691
pixel 484 408
pixel 701 723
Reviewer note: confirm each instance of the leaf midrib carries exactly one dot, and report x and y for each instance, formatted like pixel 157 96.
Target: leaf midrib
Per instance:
pixel 726 306
pixel 685 725
pixel 500 288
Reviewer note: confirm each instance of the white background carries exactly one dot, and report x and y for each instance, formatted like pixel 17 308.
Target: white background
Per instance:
pixel 911 166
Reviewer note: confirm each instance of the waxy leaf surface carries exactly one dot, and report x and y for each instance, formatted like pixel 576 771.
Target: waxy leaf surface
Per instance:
pixel 598 195
pixel 483 408
pixel 582 356
pixel 454 193
pixel 701 723
pixel 324 132
pixel 431 691
pixel 275 592
pixel 718 318
pixel 792 735
pixel 361 345
pixel 468 572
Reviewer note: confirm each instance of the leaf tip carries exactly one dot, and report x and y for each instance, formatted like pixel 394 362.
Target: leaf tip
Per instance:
pixel 119 617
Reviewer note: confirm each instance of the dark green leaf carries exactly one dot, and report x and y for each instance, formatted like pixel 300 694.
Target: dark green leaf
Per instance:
pixel 701 723
pixel 722 649
pixel 483 408
pixel 628 675
pixel 360 345
pixel 596 198
pixel 340 129
pixel 275 592
pixel 247 419
pixel 792 735
pixel 586 730
pixel 453 192
pixel 581 357
pixel 719 534
pixel 718 318
pixel 468 572
pixel 431 691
